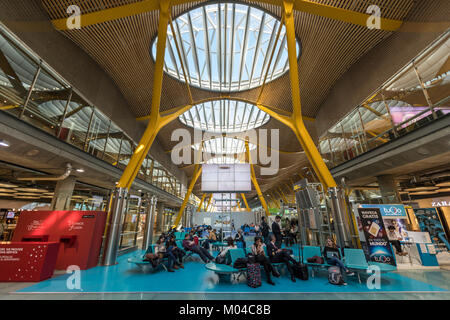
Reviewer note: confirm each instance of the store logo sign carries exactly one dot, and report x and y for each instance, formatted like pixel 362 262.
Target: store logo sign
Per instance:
pixel 441 203
pixel 388 210
pixel 34 225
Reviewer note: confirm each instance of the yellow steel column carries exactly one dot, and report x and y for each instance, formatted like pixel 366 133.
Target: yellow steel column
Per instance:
pixel 274 199
pixel 197 172
pixel 201 202
pixel 283 195
pixel 209 202
pixel 155 123
pixel 255 182
pixel 245 201
pixel 298 126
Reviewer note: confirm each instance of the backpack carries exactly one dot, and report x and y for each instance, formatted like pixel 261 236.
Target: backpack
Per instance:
pixel 253 275
pixel 240 263
pixel 300 271
pixel 335 276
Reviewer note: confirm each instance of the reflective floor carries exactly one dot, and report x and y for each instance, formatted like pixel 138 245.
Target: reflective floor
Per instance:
pixel 127 281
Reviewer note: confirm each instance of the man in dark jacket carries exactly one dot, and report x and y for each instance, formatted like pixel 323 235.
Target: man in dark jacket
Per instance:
pixel 276 230
pixel 277 255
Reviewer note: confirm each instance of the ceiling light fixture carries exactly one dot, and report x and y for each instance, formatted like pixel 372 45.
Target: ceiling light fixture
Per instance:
pixel 4 143
pixel 81 170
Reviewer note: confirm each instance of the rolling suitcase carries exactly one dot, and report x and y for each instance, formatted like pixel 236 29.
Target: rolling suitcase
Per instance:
pixel 253 275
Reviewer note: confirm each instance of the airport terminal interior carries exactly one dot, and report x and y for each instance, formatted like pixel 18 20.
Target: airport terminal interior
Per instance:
pixel 181 149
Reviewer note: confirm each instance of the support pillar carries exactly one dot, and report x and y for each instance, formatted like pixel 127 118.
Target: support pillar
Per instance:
pixel 149 223
pixel 118 206
pixel 341 233
pixel 63 193
pixel 388 188
pixel 159 216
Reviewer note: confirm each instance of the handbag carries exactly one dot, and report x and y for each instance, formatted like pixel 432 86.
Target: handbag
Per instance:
pixel 315 259
pixel 220 260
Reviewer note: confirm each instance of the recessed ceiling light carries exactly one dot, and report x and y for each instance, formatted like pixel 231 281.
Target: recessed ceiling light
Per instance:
pixel 423 192
pixel 31 190
pixel 4 143
pixel 421 189
pixel 7 185
pixel 80 170
pixel 442 184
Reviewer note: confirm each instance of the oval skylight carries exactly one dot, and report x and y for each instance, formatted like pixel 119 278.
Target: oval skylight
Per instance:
pixel 224 145
pixel 226 47
pixel 224 116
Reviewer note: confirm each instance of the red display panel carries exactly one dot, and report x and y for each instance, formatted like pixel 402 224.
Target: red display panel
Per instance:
pixel 79 234
pixel 27 261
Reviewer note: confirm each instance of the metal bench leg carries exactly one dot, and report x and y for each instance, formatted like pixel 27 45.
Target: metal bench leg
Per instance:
pixel 359 278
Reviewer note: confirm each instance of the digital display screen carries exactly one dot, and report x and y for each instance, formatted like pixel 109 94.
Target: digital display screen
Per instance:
pixel 10 215
pixel 226 177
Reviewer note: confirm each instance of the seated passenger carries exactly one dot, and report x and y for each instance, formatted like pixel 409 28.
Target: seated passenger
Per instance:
pixel 333 257
pixel 211 239
pixel 177 252
pixel 161 250
pixel 189 244
pixel 277 255
pixel 260 257
pixel 240 238
pixel 221 258
pixel 395 238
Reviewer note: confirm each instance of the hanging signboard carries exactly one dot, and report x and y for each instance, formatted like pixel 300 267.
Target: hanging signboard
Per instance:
pixel 429 222
pixel 378 245
pixel 389 210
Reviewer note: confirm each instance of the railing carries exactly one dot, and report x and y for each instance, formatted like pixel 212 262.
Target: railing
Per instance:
pixel 403 104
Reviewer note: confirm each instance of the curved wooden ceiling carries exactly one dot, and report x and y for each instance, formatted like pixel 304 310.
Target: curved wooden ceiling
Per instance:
pixel 329 48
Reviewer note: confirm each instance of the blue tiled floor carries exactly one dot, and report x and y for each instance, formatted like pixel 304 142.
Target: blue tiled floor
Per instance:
pixel 128 278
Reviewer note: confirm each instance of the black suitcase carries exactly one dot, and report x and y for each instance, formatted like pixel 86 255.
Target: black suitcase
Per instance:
pixel 300 271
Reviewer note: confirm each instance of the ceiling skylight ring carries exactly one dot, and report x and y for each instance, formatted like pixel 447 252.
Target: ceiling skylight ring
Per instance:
pixel 224 116
pixel 238 60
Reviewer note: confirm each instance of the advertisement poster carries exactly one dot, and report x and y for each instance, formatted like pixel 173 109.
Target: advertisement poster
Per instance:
pixel 378 245
pixel 429 222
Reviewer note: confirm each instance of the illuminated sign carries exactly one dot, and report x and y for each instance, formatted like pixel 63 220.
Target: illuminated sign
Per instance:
pixel 388 210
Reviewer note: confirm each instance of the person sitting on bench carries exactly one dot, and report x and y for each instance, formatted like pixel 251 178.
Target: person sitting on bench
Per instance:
pixel 189 244
pixel 395 238
pixel 211 239
pixel 162 251
pixel 171 245
pixel 221 257
pixel 240 238
pixel 277 255
pixel 260 257
pixel 333 257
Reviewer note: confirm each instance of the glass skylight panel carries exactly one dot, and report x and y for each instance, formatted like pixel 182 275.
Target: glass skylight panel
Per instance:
pixel 223 160
pixel 224 116
pixel 226 47
pixel 224 146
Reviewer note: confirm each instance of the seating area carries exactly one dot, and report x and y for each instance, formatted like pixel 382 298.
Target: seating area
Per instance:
pixel 354 259
pixel 139 258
